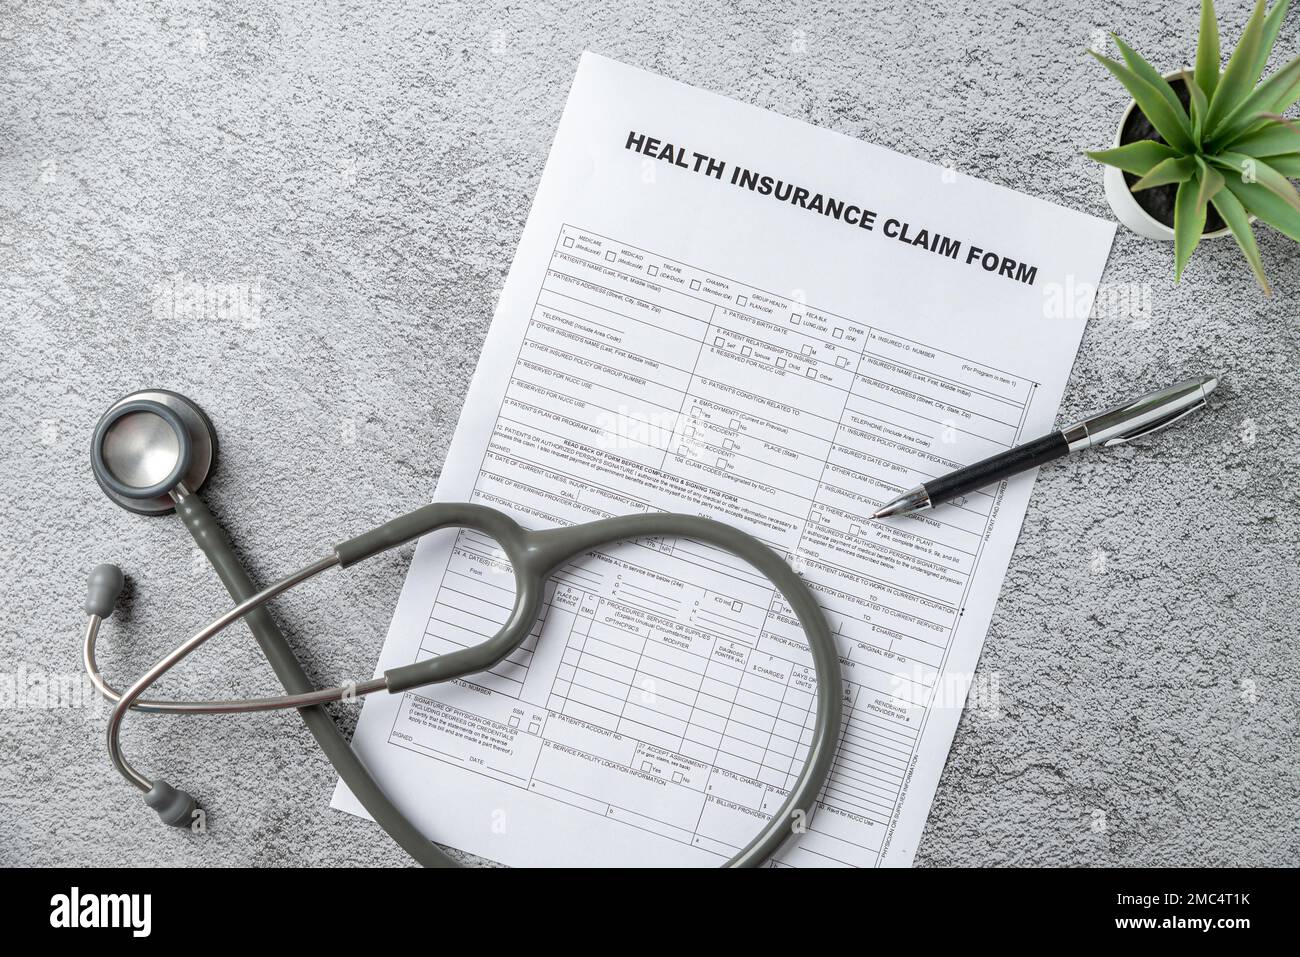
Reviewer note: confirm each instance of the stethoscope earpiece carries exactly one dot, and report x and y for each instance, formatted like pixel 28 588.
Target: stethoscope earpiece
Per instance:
pixel 103 588
pixel 174 806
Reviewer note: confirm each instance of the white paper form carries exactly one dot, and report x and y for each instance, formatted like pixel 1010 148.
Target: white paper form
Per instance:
pixel 678 333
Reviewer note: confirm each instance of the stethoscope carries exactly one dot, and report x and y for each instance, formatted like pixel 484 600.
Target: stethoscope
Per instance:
pixel 153 451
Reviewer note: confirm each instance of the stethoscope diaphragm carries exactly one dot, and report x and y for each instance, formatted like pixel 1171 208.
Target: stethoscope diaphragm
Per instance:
pixel 148 444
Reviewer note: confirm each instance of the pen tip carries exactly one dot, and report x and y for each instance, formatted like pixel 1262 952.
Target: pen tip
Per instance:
pixel 1209 384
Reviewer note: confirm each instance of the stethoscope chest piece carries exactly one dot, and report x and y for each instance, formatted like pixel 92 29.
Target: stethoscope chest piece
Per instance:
pixel 147 445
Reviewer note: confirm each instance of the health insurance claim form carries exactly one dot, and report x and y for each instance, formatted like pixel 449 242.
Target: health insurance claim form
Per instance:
pixel 675 335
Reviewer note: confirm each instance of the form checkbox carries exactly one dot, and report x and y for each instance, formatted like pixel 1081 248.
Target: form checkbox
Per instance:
pixel 854 530
pixel 842 362
pixel 695 412
pixel 683 452
pixel 806 350
pixel 690 430
pixel 653 270
pixel 610 255
pixel 742 300
pixel 735 425
pixel 514 721
pixel 746 351
pixel 722 463
pixel 534 728
pixel 645 765
pixel 717 340
pixel 737 605
pixel 796 319
pixel 695 284
pixel 677 777
pixel 780 362
pixel 838 333
pixel 728 444
pixel 812 373
pixel 568 242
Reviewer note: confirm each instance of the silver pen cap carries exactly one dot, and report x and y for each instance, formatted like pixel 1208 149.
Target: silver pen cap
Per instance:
pixel 1143 416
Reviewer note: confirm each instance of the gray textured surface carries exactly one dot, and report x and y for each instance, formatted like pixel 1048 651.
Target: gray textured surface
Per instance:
pixel 367 173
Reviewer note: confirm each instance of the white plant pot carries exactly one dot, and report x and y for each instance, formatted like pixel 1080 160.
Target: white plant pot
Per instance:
pixel 1124 204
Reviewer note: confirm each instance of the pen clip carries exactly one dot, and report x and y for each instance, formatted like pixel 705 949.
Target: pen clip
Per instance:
pixel 1155 426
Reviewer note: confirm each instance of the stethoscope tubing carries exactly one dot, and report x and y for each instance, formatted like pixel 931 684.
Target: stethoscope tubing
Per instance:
pixel 533 557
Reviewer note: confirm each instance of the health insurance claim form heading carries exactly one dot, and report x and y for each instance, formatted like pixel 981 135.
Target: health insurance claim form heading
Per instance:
pixel 721 311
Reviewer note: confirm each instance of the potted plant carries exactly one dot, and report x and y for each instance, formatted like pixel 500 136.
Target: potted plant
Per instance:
pixel 1204 153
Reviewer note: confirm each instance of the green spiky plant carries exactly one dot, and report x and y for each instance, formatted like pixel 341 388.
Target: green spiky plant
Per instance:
pixel 1230 146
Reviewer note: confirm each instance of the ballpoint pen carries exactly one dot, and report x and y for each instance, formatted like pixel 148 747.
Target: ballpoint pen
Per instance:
pixel 1142 416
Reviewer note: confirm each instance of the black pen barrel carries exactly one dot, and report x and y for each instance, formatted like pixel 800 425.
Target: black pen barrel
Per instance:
pixel 1022 458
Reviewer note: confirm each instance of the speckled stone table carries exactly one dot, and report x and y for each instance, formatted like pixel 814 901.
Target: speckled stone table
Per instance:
pixel 299 214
